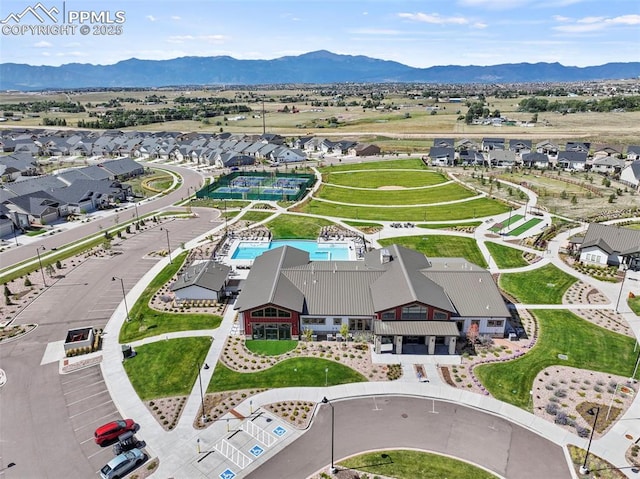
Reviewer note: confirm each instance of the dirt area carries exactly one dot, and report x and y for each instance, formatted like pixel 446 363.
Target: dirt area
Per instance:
pixel 391 188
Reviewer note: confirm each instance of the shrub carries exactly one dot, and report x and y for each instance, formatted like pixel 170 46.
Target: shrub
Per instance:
pixel 583 431
pixel 552 408
pixel 561 419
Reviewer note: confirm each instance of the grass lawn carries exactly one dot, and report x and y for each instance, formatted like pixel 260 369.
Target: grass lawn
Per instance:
pixel 504 256
pixel 295 226
pixel 256 216
pixel 441 246
pixel 408 163
pixel 296 372
pixel 146 322
pixel 442 226
pixel 524 227
pixel 403 464
pixel 634 304
pixel 166 368
pixel 270 348
pixel 544 285
pixel 506 223
pixel 561 332
pixel 421 196
pixel 382 177
pixel 475 208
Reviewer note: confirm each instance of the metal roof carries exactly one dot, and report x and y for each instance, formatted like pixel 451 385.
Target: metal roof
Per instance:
pixel 611 239
pixel 415 328
pixel 208 275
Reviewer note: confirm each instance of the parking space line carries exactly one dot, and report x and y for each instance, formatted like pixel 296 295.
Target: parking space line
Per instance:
pixel 88 397
pixel 83 387
pixel 96 453
pixel 97 420
pixel 91 408
pixel 78 378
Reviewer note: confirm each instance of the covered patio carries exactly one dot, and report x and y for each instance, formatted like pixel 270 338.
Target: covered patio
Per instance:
pixel 415 337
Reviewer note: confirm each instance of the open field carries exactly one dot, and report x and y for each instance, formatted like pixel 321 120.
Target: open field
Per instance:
pixel 504 256
pixel 551 284
pixel 475 208
pixel 295 226
pixel 405 117
pixel 381 177
pixel 417 196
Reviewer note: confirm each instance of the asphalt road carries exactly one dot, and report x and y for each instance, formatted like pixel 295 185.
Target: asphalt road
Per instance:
pixel 402 422
pixel 47 419
pixel 191 180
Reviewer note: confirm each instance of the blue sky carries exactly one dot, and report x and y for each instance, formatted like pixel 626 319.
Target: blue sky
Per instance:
pixel 417 33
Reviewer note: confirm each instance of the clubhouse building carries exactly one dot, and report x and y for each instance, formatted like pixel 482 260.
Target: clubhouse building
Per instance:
pixel 395 294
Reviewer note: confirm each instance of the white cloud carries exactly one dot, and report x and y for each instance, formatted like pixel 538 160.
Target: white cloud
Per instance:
pixel 176 18
pixel 71 54
pixel 151 18
pixel 42 44
pixel 561 19
pixel 480 25
pixel 594 24
pixel 494 4
pixel 434 18
pixel 200 38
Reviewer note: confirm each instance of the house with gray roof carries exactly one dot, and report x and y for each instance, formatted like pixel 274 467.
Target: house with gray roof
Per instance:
pixel 633 152
pixel 630 175
pixel 442 156
pixel 535 160
pixel 572 160
pixel 40 207
pixel 607 245
pixel 396 294
pixel 204 280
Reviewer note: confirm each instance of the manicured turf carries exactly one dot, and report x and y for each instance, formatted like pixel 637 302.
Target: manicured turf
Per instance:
pixel 256 216
pixel 634 304
pixel 545 285
pixel 270 348
pixel 146 322
pixel 420 196
pixel 408 163
pixel 475 208
pixel 404 464
pixel 296 372
pixel 524 227
pixel 295 226
pixel 506 223
pixel 381 177
pixel 444 246
pixel 166 368
pixel 442 226
pixel 586 345
pixel 504 256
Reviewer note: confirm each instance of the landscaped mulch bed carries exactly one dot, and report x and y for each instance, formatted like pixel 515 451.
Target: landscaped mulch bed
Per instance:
pixel 216 405
pixel 167 411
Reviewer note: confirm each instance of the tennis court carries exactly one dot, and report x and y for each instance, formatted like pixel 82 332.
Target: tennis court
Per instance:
pixel 259 186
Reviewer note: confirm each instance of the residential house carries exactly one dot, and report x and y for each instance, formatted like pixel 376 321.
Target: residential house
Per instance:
pixel 608 165
pixel 491 144
pixel 397 295
pixel 203 280
pixel 630 175
pixel 604 151
pixel 472 157
pixel 502 158
pixel 607 245
pixel 440 156
pixel 535 160
pixel 582 147
pixel 444 142
pixel 41 207
pixel 16 165
pixel 287 155
pixel 548 148
pixel 633 152
pixel 364 149
pixel 466 144
pixel 520 147
pixel 572 160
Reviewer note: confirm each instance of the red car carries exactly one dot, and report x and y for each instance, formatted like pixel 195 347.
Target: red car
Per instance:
pixel 110 431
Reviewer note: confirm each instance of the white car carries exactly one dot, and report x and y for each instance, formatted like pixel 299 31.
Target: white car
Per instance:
pixel 120 465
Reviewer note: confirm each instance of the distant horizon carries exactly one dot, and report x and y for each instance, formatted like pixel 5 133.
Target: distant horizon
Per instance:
pixel 576 33
pixel 316 51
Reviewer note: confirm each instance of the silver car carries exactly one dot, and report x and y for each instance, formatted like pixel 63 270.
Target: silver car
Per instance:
pixel 120 465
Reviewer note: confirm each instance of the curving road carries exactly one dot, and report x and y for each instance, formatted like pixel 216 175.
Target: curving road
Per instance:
pixel 404 422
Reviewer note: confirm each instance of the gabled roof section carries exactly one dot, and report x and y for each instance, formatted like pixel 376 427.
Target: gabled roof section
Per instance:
pixel 403 283
pixel 207 274
pixel 611 239
pixel 267 285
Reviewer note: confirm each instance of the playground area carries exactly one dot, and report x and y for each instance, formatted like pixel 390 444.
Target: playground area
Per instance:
pixel 259 186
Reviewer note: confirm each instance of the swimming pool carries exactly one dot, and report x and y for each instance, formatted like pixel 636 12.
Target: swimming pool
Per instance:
pixel 317 251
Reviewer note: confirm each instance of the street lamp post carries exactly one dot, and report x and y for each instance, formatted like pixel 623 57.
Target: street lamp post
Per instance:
pixel 621 288
pixel 584 469
pixel 204 415
pixel 137 215
pixel 613 396
pixel 168 244
pixel 44 281
pixel 326 401
pixel 326 377
pixel 124 295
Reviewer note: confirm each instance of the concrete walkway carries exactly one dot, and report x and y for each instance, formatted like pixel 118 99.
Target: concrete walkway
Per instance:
pixel 182 451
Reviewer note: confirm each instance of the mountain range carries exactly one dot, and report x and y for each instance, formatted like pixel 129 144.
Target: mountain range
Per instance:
pixel 320 67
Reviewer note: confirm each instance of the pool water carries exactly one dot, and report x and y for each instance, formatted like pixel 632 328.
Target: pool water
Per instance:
pixel 317 252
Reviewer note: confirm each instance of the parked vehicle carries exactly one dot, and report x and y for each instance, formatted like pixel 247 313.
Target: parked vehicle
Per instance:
pixel 126 442
pixel 120 465
pixel 110 431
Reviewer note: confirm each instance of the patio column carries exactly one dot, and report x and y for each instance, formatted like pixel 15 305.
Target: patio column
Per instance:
pixel 432 344
pixel 398 342
pixel 377 344
pixel 452 344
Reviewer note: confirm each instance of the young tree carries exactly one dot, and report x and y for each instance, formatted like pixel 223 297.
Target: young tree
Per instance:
pixel 472 333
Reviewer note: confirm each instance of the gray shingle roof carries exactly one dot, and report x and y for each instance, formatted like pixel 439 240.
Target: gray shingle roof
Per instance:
pixel 612 239
pixel 207 274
